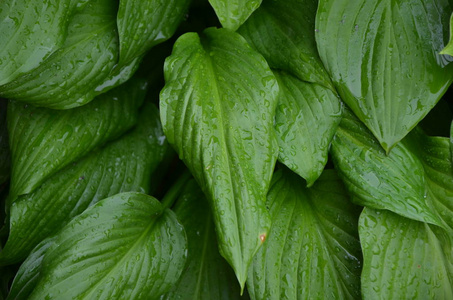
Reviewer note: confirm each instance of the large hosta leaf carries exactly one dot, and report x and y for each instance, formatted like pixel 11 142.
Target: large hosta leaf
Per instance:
pixel 124 247
pixel 69 76
pixel 404 259
pixel 143 24
pixel 217 109
pixel 312 251
pixel 369 48
pixel 206 274
pixel 415 180
pixel 232 13
pixel 122 166
pixel 5 160
pixel 307 117
pixel 43 140
pixel 284 33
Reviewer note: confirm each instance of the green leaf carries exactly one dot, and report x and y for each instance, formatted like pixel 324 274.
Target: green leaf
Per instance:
pixel 206 274
pixel 307 117
pixel 415 180
pixel 370 48
pixel 144 24
pixel 284 33
pixel 43 141
pixel 404 259
pixel 313 250
pixel 69 77
pixel 5 159
pixel 217 110
pixel 233 13
pixel 449 48
pixel 122 166
pixel 124 247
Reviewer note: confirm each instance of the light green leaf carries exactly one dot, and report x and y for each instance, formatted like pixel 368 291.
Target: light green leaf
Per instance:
pixel 43 141
pixel 284 33
pixel 217 110
pixel 414 180
pixel 312 251
pixel 206 274
pixel 143 24
pixel 233 13
pixel 69 77
pixel 449 48
pixel 369 48
pixel 307 117
pixel 124 247
pixel 404 259
pixel 122 166
pixel 5 159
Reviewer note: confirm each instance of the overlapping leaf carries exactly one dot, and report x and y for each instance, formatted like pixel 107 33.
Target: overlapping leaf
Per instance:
pixel 233 13
pixel 122 166
pixel 217 110
pixel 5 160
pixel 307 117
pixel 284 33
pixel 43 141
pixel 312 251
pixel 124 247
pixel 383 59
pixel 449 48
pixel 404 259
pixel 415 180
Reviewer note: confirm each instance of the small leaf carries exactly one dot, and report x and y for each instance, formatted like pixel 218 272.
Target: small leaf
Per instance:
pixel 122 166
pixel 217 110
pixel 284 33
pixel 414 180
pixel 124 247
pixel 307 117
pixel 449 48
pixel 233 13
pixel 43 141
pixel 368 48
pixel 5 159
pixel 312 251
pixel 404 259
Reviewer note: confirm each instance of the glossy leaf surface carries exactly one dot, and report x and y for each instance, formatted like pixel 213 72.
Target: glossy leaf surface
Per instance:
pixel 120 248
pixel 370 49
pixel 307 117
pixel 43 140
pixel 404 258
pixel 206 275
pixel 284 33
pixel 415 180
pixel 121 166
pixel 312 251
pixel 217 110
pixel 233 13
pixel 5 159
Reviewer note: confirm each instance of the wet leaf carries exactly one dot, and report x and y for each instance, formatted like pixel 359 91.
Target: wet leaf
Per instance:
pixel 232 13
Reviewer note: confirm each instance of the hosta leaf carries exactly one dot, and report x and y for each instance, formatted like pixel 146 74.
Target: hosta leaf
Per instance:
pixel 124 247
pixel 232 13
pixel 217 110
pixel 312 251
pixel 284 33
pixel 5 160
pixel 122 166
pixel 449 48
pixel 206 274
pixel 404 259
pixel 43 140
pixel 69 77
pixel 143 24
pixel 307 117
pixel 368 48
pixel 414 180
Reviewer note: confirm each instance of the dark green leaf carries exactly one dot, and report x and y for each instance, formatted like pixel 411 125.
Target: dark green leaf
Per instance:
pixel 449 48
pixel 284 33
pixel 383 59
pixel 307 117
pixel 124 247
pixel 217 110
pixel 404 259
pixel 43 141
pixel 5 159
pixel 206 274
pixel 232 13
pixel 313 250
pixel 123 165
